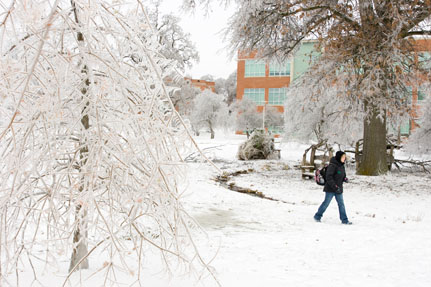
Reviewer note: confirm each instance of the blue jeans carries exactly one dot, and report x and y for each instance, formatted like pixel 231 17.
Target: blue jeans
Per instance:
pixel 327 201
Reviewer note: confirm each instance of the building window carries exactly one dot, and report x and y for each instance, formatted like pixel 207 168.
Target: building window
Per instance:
pixel 279 69
pixel 409 95
pixel 256 95
pixel 421 95
pixel 425 60
pixel 276 130
pixel 405 127
pixel 254 68
pixel 277 96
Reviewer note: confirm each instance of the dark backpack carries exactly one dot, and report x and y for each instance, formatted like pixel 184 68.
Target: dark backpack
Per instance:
pixel 320 175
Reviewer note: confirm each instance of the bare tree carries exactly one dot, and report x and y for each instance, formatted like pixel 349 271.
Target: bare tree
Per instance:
pixel 90 155
pixel 370 41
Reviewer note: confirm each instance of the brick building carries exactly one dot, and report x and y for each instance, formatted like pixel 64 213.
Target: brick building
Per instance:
pixel 201 84
pixel 418 93
pixel 265 83
pixel 182 99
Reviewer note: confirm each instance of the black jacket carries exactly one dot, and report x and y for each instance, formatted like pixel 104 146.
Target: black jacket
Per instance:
pixel 335 176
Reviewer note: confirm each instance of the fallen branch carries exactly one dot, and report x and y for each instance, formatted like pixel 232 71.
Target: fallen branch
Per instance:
pixel 425 165
pixel 194 155
pixel 225 177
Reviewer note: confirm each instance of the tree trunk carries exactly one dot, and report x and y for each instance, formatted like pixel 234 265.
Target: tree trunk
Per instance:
pixel 80 249
pixel 374 158
pixel 212 132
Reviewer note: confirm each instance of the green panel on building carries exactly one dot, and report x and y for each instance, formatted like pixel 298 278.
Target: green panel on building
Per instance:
pixel 405 127
pixel 303 58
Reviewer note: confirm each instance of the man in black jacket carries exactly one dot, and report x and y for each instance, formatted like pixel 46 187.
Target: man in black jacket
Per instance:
pixel 334 179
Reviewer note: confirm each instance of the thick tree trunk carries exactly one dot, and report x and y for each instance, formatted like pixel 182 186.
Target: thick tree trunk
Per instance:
pixel 374 158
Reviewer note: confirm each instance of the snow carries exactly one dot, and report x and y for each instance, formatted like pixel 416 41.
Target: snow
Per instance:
pixel 259 242
pixel 267 243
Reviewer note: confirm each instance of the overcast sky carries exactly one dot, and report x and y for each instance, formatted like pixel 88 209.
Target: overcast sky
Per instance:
pixel 205 33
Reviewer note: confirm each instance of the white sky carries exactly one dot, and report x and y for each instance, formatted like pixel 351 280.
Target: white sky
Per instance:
pixel 206 34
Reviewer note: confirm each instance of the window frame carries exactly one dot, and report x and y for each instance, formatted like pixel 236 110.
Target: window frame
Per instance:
pixel 257 95
pixel 253 69
pixel 280 98
pixel 275 69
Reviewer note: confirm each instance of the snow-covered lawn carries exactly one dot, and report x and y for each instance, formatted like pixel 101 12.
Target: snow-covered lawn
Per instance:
pixel 270 243
pixel 259 242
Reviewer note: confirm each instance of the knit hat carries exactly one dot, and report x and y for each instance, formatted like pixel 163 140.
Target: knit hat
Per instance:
pixel 338 155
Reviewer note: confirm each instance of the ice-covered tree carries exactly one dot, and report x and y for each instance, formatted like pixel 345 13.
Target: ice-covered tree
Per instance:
pixel 182 97
pixel 227 87
pixel 90 157
pixel 319 112
pixel 176 44
pixel 246 116
pixel 209 111
pixel 369 41
pixel 419 141
pixel 273 117
pixel 230 86
pixel 220 86
pixel 208 77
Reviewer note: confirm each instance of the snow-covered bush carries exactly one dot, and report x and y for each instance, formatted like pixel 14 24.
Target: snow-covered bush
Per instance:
pixel 258 146
pixel 209 111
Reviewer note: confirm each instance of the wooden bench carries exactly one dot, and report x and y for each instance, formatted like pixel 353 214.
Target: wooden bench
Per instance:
pixel 307 171
pixel 316 160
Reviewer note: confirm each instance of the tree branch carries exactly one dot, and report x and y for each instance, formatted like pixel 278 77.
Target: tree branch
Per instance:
pixel 413 33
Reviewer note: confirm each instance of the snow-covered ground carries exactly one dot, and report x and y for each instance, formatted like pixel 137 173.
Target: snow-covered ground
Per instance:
pixel 259 242
pixel 270 243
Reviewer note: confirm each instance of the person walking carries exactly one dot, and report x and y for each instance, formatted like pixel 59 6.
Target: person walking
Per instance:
pixel 334 179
